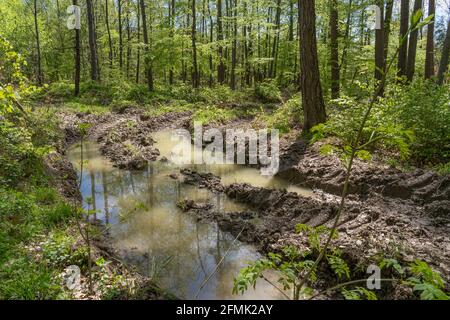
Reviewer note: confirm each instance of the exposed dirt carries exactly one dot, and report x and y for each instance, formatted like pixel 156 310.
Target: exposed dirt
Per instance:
pixel 124 137
pixel 378 224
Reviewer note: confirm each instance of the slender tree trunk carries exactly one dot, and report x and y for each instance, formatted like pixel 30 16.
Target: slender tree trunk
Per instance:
pixel 412 49
pixel 387 29
pixel 119 7
pixel 172 33
pixel 403 51
pixel 379 49
pixel 221 67
pixel 276 38
pixel 38 45
pixel 234 48
pixel 95 74
pixel 443 66
pixel 211 39
pixel 109 34
pixel 346 40
pixel 128 41
pixel 148 68
pixel 291 21
pixel 312 99
pixel 334 49
pixel 77 57
pixel 138 55
pixel 195 75
pixel 429 58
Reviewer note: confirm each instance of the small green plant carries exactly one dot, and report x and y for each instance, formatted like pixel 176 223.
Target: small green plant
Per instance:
pixel 427 282
pixel 292 264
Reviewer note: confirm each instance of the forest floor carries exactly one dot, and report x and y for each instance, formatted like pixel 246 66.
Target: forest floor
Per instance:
pixel 389 212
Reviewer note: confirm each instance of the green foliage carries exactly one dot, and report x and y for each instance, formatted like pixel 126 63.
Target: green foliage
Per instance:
pixel 26 280
pixel 285 117
pixel 268 91
pixel 423 108
pixel 426 281
pixel 291 264
pixel 214 115
pixel 359 293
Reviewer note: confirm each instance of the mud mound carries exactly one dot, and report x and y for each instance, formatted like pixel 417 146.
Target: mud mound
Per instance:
pixel 63 175
pixel 125 138
pixel 305 166
pixel 366 228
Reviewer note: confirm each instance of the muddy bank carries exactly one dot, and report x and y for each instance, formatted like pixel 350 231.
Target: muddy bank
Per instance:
pixel 366 228
pixel 306 166
pixel 124 138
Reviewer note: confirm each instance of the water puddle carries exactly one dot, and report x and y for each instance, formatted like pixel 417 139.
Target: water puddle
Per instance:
pixel 151 233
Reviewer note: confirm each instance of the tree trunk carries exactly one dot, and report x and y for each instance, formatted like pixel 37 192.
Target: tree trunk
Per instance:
pixel 172 32
pixel 443 66
pixel 387 29
pixel 221 67
pixel 312 99
pixel 195 76
pixel 128 41
pixel 77 57
pixel 379 48
pixel 211 39
pixel 334 49
pixel 412 49
pixel 38 45
pixel 138 55
pixel 109 34
pixel 148 68
pixel 346 40
pixel 234 47
pixel 276 38
pixel 95 75
pixel 119 7
pixel 403 51
pixel 429 58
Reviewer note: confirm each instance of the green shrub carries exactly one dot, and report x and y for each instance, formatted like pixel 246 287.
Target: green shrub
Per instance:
pixel 23 279
pixel 424 108
pixel 268 91
pixel 285 117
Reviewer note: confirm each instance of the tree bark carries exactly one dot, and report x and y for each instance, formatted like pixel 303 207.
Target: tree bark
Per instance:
pixel 379 49
pixel 138 55
pixel 276 39
pixel 77 57
pixel 119 7
pixel 234 47
pixel 172 33
pixel 95 74
pixel 148 68
pixel 387 29
pixel 312 98
pixel 403 51
pixel 443 66
pixel 412 49
pixel 195 76
pixel 429 58
pixel 109 34
pixel 221 67
pixel 334 49
pixel 348 22
pixel 38 45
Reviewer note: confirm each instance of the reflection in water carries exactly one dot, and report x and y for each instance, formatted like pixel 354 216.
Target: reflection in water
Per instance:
pixel 149 230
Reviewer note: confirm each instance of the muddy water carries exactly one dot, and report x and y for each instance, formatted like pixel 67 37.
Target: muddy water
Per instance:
pixel 151 233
